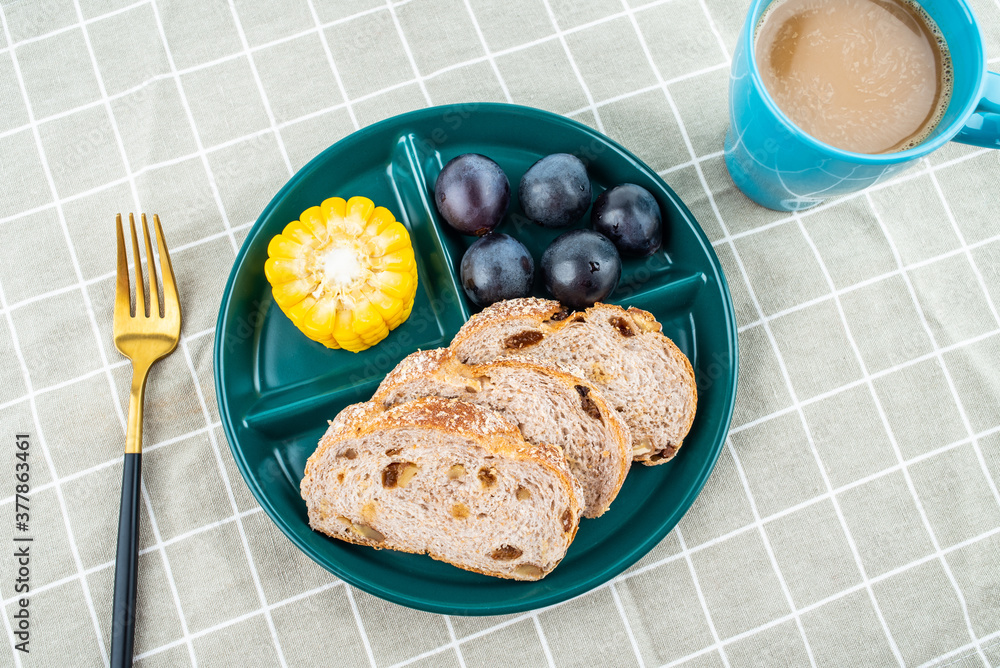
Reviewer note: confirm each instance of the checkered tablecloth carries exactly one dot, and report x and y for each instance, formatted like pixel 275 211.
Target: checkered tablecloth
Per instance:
pixel 853 518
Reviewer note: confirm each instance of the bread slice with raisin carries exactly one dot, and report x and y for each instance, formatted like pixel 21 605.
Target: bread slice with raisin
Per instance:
pixel 623 352
pixel 447 478
pixel 548 405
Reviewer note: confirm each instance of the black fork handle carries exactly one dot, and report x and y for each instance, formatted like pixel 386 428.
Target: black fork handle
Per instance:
pixel 126 565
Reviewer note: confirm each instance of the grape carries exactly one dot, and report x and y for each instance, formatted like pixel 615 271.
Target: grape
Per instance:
pixel 472 194
pixel 555 192
pixel 496 267
pixel 630 217
pixel 581 267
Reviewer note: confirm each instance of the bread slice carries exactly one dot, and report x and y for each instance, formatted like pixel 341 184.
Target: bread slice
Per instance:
pixel 547 404
pixel 446 478
pixel 640 372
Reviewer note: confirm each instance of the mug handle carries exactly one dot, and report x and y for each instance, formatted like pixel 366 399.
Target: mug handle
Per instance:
pixel 983 127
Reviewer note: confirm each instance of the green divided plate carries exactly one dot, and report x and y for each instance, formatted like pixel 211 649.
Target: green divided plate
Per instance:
pixel 276 389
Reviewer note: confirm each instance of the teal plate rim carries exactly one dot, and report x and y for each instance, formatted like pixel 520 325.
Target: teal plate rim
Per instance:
pixel 719 432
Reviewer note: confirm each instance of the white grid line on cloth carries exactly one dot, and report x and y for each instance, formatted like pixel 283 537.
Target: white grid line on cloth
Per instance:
pixel 489 54
pixel 994 639
pixel 220 463
pixel 168 571
pixel 651 88
pixel 715 30
pixel 361 627
pixel 347 104
pixel 909 175
pixel 242 618
pixel 201 152
pixel 409 53
pixel 628 626
pixel 561 36
pixel 57 386
pixel 533 614
pixel 10 637
pixel 996 317
pixel 106 103
pixel 454 640
pixel 109 463
pixel 951 386
pixel 861 381
pixel 90 374
pixel 94 328
pixel 111 274
pixel 823 472
pixel 830 599
pixel 333 66
pixel 958 402
pixel 690 163
pixel 735 638
pixel 187 70
pixel 321 29
pixel 260 89
pixel 48 460
pixel 865 283
pixel 143 490
pixel 686 553
pixel 156 547
pixel 822 497
pixel 758 524
pixel 72 26
pixel 708 192
pixel 542 639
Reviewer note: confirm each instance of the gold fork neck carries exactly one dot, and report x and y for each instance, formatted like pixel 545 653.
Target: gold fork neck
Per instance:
pixel 133 434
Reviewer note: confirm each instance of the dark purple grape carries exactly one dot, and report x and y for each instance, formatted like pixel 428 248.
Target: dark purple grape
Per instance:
pixel 472 194
pixel 581 267
pixel 555 192
pixel 495 268
pixel 630 217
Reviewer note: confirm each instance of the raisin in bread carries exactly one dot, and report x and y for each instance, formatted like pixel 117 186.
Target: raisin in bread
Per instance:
pixel 446 478
pixel 549 405
pixel 640 372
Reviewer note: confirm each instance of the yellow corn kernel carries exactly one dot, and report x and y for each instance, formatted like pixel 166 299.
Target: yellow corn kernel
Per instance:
pixel 344 273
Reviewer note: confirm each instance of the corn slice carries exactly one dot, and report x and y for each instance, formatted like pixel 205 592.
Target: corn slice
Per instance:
pixel 344 273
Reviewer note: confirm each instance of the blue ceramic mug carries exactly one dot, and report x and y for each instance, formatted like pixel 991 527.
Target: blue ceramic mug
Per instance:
pixel 776 164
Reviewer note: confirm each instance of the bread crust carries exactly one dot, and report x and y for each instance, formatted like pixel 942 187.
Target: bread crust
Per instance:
pixel 441 360
pixel 538 313
pixel 484 427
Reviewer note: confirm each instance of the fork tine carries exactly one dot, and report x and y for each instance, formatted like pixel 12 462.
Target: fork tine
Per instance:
pixel 154 296
pixel 123 300
pixel 140 299
pixel 171 301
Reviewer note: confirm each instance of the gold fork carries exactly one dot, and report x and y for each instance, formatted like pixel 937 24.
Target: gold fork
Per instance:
pixel 144 336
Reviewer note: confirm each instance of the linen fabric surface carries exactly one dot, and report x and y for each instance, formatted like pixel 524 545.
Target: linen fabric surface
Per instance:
pixel 853 518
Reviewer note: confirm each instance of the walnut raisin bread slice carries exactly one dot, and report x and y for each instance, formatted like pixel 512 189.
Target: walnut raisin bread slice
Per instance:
pixel 641 373
pixel 547 404
pixel 446 478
